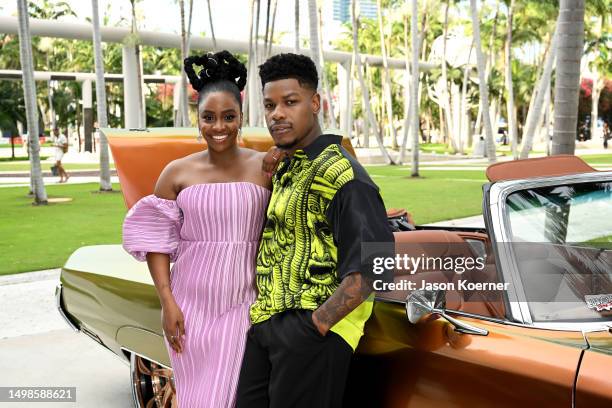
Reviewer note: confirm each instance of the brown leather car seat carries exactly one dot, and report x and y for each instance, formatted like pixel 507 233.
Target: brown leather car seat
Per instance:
pixel 444 243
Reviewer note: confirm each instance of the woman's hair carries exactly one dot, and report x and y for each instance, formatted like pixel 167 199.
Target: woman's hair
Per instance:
pixel 220 71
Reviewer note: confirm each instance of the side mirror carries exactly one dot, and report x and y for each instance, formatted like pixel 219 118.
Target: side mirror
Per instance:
pixel 423 305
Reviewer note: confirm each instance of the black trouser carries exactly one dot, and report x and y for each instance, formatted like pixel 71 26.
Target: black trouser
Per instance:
pixel 287 363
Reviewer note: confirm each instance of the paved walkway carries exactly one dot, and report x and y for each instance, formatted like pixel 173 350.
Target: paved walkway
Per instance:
pixel 38 349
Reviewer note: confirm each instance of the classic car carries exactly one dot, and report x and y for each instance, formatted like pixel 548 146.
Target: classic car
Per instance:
pixel 544 340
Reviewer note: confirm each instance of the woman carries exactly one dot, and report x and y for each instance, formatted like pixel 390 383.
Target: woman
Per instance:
pixel 206 215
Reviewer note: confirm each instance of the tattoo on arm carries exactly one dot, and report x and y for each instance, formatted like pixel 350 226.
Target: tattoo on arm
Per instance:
pixel 353 290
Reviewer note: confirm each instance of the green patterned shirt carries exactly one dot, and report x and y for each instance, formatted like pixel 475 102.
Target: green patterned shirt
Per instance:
pixel 312 238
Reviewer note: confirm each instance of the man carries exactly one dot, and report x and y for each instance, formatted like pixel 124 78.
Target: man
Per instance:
pixel 61 147
pixel 313 288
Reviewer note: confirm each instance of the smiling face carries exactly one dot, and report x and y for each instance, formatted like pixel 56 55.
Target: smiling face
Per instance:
pixel 219 120
pixel 291 112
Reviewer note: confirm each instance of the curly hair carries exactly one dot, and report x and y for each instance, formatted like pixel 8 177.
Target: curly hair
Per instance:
pixel 220 71
pixel 283 66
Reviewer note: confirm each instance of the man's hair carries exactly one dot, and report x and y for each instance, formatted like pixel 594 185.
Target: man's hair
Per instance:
pixel 284 66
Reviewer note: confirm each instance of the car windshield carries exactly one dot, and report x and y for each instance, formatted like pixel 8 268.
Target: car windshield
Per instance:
pixel 562 241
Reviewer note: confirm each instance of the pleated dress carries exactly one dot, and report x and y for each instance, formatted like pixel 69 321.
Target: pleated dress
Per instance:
pixel 211 232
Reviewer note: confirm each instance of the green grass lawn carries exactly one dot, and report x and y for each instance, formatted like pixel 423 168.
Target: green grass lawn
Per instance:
pixel 436 196
pixel 35 238
pixel 598 158
pixel 25 166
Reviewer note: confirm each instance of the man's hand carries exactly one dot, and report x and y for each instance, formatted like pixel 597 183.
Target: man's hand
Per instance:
pixel 271 160
pixel 353 290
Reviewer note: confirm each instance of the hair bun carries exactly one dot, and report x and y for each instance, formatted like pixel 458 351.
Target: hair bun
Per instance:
pixel 220 66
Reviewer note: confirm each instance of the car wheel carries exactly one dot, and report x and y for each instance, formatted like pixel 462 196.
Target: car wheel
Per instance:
pixel 152 384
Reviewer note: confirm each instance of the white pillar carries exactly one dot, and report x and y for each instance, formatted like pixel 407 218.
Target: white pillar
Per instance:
pixel 87 114
pixel 131 89
pixel 344 100
pixel 176 104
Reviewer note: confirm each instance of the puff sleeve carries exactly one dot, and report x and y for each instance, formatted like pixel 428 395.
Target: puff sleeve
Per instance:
pixel 153 224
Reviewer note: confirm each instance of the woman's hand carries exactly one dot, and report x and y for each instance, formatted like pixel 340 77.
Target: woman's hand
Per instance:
pixel 173 324
pixel 271 160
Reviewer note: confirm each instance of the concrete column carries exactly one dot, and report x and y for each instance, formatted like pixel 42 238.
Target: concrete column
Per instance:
pixel 131 104
pixel 344 100
pixel 87 114
pixel 176 104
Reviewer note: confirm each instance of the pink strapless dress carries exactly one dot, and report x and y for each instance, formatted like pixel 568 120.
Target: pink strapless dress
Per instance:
pixel 211 233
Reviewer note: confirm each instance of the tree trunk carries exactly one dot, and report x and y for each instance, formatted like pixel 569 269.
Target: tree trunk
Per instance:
pixel 105 179
pixel 567 81
pixel 407 97
pixel 509 87
pixel 29 94
pixel 296 45
pixel 414 89
pixel 313 24
pixel 387 76
pixel 141 105
pixel 448 120
pixel 185 45
pixel 534 114
pixel 212 27
pixel 364 87
pixel 463 120
pixel 328 94
pixel 270 40
pixel 597 85
pixel 489 67
pixel 482 83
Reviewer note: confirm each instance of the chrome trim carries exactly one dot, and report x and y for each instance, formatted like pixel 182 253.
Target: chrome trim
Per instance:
pixel 132 380
pixel 132 352
pixel 84 331
pixel 58 305
pixel 584 327
pixel 89 334
pixel 498 193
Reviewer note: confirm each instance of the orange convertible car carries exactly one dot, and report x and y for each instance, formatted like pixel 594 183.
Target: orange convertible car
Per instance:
pixel 530 327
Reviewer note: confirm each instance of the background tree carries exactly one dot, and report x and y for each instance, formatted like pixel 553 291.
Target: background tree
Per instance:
pixel 105 180
pixel 482 83
pixel 569 51
pixel 29 90
pixel 364 88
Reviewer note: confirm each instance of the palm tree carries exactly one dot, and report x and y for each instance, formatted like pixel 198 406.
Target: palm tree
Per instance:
pixel 297 27
pixel 271 36
pixel 414 88
pixel 482 83
pixel 509 87
pixel 364 88
pixel 210 19
pixel 183 113
pixel 407 96
pixel 387 84
pixel 600 65
pixel 326 86
pixel 105 181
pixel 569 51
pixel 448 119
pixel 29 91
pixel 313 22
pixel 134 35
pixel 534 114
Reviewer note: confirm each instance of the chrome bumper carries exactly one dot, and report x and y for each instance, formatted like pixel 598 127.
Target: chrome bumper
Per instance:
pixel 58 304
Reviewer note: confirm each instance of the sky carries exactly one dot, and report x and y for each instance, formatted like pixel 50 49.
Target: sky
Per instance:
pixel 230 17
